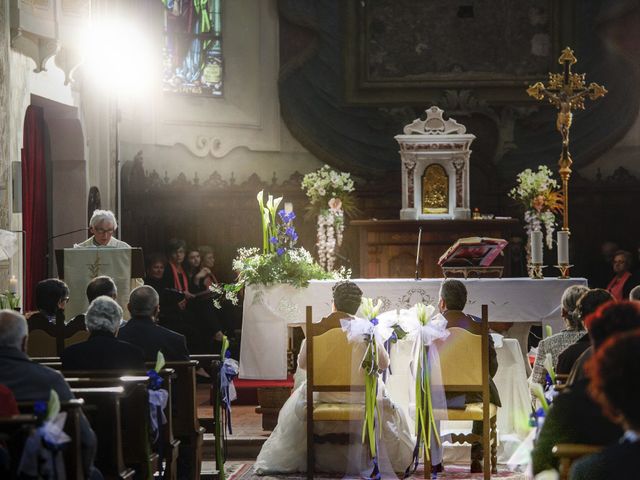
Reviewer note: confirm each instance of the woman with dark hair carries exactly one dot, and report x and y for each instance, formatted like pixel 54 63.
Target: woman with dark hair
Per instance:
pixel 206 316
pixel 155 271
pixel 614 371
pixel 52 296
pixel 176 291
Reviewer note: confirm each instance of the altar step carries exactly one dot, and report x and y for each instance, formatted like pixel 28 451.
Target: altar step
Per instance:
pixel 238 447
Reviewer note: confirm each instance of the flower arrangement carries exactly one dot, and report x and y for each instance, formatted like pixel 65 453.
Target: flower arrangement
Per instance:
pixel 537 191
pixel 330 196
pixel 280 261
pixel 9 300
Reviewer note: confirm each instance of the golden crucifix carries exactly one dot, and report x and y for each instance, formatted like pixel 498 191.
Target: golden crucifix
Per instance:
pixel 566 91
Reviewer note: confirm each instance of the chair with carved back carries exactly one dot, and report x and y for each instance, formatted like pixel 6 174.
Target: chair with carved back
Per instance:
pixel 567 453
pixel 47 339
pixel 329 369
pixel 464 363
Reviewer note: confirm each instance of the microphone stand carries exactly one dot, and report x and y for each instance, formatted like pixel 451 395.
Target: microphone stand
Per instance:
pixel 418 254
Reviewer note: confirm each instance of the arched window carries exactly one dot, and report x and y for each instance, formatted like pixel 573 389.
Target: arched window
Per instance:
pixel 192 54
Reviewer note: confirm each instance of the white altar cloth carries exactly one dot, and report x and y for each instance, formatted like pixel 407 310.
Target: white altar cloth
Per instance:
pixel 268 310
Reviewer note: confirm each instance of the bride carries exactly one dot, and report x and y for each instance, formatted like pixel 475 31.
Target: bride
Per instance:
pixel 285 450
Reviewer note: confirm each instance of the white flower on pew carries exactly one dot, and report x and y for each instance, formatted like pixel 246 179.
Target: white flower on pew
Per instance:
pixel 40 456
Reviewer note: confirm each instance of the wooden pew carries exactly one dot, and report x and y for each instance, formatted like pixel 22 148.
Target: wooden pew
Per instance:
pixel 73 452
pixel 103 410
pixel 186 426
pixel 568 453
pixel 135 423
pixel 104 378
pixel 14 431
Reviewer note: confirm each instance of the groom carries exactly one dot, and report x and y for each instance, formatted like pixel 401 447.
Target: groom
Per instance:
pixel 453 298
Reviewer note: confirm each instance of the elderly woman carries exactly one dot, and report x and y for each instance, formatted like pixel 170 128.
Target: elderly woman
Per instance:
pixel 102 225
pixel 556 343
pixel 102 350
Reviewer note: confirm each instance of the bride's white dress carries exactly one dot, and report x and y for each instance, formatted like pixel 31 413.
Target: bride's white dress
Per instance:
pixel 285 450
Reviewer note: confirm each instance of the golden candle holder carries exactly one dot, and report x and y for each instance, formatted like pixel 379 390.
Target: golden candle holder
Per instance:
pixel 564 270
pixel 535 270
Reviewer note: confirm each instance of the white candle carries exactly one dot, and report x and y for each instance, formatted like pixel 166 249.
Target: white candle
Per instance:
pixel 536 247
pixel 563 247
pixel 288 207
pixel 13 284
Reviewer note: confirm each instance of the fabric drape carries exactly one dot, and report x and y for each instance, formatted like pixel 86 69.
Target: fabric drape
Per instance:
pixel 34 203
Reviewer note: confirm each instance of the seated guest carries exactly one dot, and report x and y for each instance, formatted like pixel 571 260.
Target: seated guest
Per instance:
pixel 142 330
pixel 453 298
pixel 558 342
pixel 574 417
pixel 155 271
pixel 30 381
pixel 52 296
pixel 103 351
pixel 174 311
pixel 99 286
pixel 102 225
pixel 623 281
pixel 615 385
pixel 623 319
pixel 206 317
pixel 587 304
pixel 286 448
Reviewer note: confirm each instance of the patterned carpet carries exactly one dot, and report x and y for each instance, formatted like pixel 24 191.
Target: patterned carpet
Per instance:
pixel 452 472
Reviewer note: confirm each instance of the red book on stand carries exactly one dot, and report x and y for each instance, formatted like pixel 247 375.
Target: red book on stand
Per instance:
pixel 472 252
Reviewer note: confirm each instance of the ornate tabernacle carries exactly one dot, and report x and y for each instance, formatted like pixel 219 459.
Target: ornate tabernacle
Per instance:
pixel 435 168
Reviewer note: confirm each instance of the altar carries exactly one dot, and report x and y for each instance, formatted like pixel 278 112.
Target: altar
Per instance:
pixel 268 310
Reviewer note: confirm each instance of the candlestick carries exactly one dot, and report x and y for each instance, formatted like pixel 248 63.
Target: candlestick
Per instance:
pixel 563 247
pixel 536 247
pixel 13 284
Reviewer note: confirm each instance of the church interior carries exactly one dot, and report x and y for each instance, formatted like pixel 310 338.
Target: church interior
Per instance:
pixel 429 206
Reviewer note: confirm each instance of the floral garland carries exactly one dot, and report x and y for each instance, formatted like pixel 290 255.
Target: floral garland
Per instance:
pixel 537 191
pixel 280 261
pixel 330 196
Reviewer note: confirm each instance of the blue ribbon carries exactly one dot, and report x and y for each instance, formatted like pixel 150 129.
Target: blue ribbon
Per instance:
pixel 227 373
pixel 155 380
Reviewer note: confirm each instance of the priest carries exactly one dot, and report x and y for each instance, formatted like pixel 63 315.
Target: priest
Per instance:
pixel 102 225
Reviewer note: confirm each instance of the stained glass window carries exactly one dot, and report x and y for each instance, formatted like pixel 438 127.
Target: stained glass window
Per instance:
pixel 192 47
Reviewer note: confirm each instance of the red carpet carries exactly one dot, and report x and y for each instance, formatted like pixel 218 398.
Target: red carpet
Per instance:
pixel 247 390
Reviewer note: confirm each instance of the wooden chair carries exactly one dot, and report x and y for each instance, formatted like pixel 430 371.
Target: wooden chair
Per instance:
pixel 73 452
pixel 567 453
pixel 464 363
pixel 47 339
pixel 329 369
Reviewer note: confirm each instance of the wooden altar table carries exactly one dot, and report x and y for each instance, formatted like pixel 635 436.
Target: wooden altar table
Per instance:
pixel 268 310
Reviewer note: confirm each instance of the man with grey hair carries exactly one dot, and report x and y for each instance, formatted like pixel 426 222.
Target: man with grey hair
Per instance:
pixel 30 381
pixel 634 294
pixel 102 350
pixel 102 225
pixel 143 331
pixel 453 299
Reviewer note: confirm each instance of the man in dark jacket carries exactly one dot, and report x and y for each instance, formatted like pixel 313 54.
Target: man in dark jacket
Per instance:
pixel 143 331
pixel 453 298
pixel 30 381
pixel 102 350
